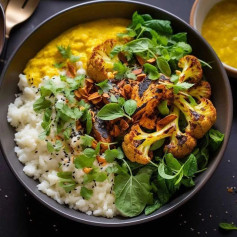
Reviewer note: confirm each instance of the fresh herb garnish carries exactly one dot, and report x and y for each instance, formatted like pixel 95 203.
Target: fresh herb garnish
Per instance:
pixel 67 53
pixel 86 193
pixel 227 226
pixel 105 86
pixel 66 181
pixel 152 71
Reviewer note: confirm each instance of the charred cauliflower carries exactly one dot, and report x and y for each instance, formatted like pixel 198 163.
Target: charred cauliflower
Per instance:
pixel 148 94
pixel 192 69
pixel 100 65
pixel 137 143
pixel 181 144
pixel 200 117
pixel 201 90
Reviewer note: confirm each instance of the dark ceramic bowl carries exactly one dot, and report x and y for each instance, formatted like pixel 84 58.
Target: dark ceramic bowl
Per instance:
pixel 53 27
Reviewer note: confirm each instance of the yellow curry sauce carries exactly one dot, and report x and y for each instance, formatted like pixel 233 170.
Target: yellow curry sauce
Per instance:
pixel 82 39
pixel 220 30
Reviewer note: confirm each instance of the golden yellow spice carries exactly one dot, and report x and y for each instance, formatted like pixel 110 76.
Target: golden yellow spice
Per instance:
pixel 82 39
pixel 219 29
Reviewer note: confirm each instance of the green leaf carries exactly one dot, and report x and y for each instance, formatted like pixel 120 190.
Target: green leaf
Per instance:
pixel 136 20
pixel 66 181
pixel 227 226
pixel 83 161
pixel 163 65
pixel 188 182
pixel 216 138
pixel 67 133
pixel 59 65
pixel 42 135
pixel 121 70
pixel 190 166
pixel 174 78
pixel 50 147
pixel 138 45
pixel 205 64
pixel 105 86
pixel 179 37
pixel 67 184
pixel 86 141
pixel 163 108
pixel 202 153
pixel 100 176
pixel 65 52
pixel 130 75
pixel 74 58
pixel 117 49
pixel 65 175
pixel 129 33
pixel 120 153
pixel 58 145
pixel 86 193
pixel 163 192
pixel 156 145
pixel 97 148
pixel 110 111
pixel 161 171
pixel 121 101
pixel 46 124
pixel 130 107
pixel 183 86
pixel 151 208
pixel 160 26
pixel 95 175
pixel 185 47
pixel 113 99
pixel 88 122
pixel 172 162
pixel 132 193
pixel 90 152
pixel 41 104
pixel 152 71
pixel 192 100
pixel 111 155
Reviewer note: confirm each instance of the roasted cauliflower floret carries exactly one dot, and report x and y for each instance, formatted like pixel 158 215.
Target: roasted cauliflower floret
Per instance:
pixel 181 144
pixel 100 65
pixel 137 143
pixel 148 94
pixel 200 117
pixel 192 69
pixel 201 90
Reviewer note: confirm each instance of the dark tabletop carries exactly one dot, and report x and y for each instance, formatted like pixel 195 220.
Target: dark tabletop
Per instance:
pixel 21 215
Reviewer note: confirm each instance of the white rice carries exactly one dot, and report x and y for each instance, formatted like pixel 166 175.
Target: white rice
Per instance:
pixel 43 166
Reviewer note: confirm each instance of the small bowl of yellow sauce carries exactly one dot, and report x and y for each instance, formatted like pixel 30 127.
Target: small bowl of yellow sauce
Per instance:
pixel 216 20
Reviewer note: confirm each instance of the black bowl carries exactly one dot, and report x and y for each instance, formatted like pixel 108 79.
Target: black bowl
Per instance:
pixel 53 27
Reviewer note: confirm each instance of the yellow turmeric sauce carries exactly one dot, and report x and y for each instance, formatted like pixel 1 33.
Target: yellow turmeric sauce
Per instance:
pixel 81 39
pixel 220 30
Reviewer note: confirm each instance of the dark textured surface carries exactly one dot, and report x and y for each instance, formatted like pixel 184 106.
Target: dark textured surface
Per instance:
pixel 21 215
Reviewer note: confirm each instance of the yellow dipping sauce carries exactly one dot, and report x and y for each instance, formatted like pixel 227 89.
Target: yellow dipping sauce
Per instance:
pixel 81 39
pixel 220 30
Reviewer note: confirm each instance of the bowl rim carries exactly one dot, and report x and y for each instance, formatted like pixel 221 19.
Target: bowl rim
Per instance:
pixel 2 13
pixel 192 21
pixel 128 221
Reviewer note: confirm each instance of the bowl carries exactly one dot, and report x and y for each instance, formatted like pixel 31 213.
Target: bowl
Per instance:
pixel 2 30
pixel 198 14
pixel 54 26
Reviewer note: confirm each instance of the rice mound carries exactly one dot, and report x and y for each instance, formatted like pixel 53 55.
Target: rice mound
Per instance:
pixel 43 166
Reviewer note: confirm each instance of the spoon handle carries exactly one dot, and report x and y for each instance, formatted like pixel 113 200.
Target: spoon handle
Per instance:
pixel 3 56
